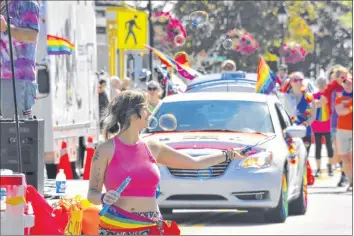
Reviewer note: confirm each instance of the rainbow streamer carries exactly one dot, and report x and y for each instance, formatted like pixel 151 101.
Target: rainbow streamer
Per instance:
pixel 121 221
pixel 265 78
pixel 59 46
pixel 183 70
pixel 322 113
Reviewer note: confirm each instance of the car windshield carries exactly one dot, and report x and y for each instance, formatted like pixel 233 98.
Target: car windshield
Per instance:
pixel 220 115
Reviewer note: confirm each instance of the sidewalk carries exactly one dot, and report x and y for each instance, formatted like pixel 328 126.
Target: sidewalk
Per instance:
pixel 324 158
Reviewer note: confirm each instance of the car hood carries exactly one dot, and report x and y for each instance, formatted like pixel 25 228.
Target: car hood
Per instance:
pixel 206 140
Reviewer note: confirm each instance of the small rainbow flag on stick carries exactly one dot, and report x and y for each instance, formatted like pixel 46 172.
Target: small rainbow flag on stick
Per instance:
pixel 322 113
pixel 265 78
pixel 183 70
pixel 59 46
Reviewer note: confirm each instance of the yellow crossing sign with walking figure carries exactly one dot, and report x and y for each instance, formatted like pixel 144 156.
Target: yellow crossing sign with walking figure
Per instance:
pixel 132 29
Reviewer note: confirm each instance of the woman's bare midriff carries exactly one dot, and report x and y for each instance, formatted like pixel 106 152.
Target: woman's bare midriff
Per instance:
pixel 137 204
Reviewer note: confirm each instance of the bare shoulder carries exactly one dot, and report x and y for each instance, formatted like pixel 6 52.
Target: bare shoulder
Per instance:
pixel 104 150
pixel 154 147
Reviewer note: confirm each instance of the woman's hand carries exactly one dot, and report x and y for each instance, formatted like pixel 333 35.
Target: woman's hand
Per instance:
pixel 110 197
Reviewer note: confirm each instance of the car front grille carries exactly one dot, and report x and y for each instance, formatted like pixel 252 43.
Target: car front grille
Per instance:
pixel 217 170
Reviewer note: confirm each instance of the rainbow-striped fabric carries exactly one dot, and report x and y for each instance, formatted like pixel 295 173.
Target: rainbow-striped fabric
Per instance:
pixel 119 220
pixel 265 78
pixel 185 71
pixel 59 46
pixel 322 113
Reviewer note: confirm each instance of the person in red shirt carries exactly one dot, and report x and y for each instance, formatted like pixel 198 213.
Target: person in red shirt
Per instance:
pixel 322 128
pixel 344 108
pixel 282 75
pixel 336 76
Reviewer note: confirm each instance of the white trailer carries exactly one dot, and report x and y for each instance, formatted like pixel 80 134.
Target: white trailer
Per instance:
pixel 68 97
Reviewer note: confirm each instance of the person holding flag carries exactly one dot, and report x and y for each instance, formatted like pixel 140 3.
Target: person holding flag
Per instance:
pixel 266 83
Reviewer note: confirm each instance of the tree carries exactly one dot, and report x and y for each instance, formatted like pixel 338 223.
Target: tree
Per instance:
pixel 260 19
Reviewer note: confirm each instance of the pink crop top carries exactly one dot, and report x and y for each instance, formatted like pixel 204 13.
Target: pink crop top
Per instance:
pixel 137 162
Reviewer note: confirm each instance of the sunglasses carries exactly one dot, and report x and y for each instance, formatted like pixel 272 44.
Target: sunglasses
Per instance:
pixel 346 81
pixel 295 80
pixel 152 89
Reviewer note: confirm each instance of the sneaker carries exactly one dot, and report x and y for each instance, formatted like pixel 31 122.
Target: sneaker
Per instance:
pixel 330 172
pixel 343 180
pixel 350 188
pixel 318 173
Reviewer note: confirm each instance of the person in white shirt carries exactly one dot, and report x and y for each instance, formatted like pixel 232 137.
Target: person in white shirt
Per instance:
pixel 116 88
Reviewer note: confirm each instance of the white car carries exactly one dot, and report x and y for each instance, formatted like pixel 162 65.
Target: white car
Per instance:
pixel 238 81
pixel 210 122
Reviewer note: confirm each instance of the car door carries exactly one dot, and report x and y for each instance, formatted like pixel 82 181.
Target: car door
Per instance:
pixel 293 169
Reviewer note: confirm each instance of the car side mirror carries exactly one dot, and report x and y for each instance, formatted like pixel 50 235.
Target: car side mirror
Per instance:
pixel 296 131
pixel 43 80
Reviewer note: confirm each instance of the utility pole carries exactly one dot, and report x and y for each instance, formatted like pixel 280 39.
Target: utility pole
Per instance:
pixel 151 37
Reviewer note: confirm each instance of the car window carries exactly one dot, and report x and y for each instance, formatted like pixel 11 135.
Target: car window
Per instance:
pixel 283 116
pixel 236 115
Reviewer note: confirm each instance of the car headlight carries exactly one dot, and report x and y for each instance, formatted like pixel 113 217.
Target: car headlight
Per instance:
pixel 259 160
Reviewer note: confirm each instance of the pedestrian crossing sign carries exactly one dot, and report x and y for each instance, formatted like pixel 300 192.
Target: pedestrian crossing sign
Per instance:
pixel 132 29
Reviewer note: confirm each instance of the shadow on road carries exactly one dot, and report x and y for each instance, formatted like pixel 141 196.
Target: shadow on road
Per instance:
pixel 222 219
pixel 332 192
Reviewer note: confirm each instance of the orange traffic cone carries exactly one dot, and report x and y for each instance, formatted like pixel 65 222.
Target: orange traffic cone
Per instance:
pixel 64 162
pixel 90 149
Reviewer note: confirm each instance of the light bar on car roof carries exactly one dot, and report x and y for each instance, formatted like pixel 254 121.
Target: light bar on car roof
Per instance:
pixel 238 76
pixel 233 75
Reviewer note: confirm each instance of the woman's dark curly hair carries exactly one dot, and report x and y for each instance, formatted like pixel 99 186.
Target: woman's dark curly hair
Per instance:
pixel 119 111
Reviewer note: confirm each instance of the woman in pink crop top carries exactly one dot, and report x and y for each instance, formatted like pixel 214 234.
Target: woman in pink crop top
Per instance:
pixel 125 154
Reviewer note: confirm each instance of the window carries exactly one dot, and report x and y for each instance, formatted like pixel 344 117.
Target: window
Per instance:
pixel 100 13
pixel 216 115
pixel 100 30
pixel 283 116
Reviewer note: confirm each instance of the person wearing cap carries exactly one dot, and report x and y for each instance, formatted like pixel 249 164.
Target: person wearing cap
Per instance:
pixel 142 79
pixel 322 128
pixel 116 86
pixel 344 109
pixel 154 92
pixel 228 66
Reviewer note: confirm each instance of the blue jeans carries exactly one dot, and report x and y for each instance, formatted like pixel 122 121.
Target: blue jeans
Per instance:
pixel 25 95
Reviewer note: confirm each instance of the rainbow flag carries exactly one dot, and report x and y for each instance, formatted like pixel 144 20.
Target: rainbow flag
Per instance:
pixel 120 221
pixel 59 46
pixel 265 78
pixel 322 113
pixel 183 70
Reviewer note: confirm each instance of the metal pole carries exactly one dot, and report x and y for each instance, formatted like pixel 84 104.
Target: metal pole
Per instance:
pixel 18 141
pixel 151 37
pixel 283 39
pixel 315 55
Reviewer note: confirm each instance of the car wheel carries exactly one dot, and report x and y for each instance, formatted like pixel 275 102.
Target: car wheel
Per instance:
pixel 280 212
pixel 166 210
pixel 299 205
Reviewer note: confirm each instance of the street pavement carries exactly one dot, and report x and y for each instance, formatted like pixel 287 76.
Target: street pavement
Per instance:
pixel 329 213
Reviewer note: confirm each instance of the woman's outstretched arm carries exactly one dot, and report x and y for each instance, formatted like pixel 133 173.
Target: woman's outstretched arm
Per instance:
pixel 170 157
